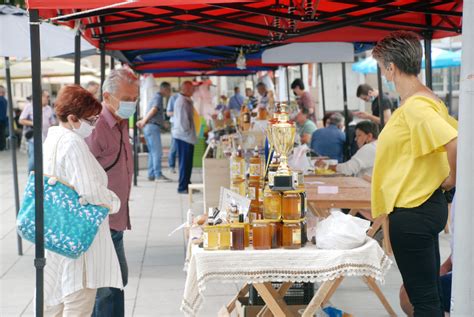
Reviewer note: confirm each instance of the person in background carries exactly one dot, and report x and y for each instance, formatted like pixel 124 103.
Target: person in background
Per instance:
pixel 151 125
pixel 329 141
pixel 266 97
pixel 173 149
pixel 304 126
pixel 3 118
pixel 414 163
pixel 93 87
pixel 305 100
pixel 369 94
pixel 236 101
pixel 362 162
pixel 71 284
pixel 252 101
pixel 184 133
pixel 26 120
pixel 109 143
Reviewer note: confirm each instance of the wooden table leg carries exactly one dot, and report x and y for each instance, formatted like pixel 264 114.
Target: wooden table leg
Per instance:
pixel 274 301
pixel 229 308
pixel 376 289
pixel 353 212
pixel 332 290
pixel 319 297
pixel 265 311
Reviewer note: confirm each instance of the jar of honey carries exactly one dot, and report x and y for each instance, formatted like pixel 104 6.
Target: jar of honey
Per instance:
pixel 237 233
pixel 275 228
pixel 238 186
pixel 210 237
pixel 291 234
pixel 272 204
pixel 253 191
pixel 224 237
pixel 261 233
pixel 291 205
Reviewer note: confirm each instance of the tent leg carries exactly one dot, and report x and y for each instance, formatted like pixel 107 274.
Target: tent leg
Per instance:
pixel 13 144
pixel 346 112
pixel 112 63
pixel 380 88
pixel 40 260
pixel 288 84
pixel 77 58
pixel 102 68
pixel 323 97
pixel 428 65
pixel 136 143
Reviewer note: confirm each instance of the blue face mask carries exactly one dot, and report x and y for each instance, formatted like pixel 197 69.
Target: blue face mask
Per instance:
pixel 389 84
pixel 126 109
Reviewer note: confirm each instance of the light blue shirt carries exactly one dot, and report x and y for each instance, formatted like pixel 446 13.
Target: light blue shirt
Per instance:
pixel 235 102
pixel 183 123
pixel 170 106
pixel 329 142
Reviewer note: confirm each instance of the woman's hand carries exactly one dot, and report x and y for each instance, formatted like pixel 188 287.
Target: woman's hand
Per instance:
pixel 449 183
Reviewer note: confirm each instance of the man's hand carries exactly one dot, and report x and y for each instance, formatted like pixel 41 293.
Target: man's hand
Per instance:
pixel 141 124
pixel 362 114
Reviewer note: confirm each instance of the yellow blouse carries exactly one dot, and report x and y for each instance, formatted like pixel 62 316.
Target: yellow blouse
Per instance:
pixel 411 161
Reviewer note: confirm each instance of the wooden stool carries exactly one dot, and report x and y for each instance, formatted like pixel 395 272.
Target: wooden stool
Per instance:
pixel 194 187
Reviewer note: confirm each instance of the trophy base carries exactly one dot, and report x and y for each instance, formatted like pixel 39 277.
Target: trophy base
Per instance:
pixel 285 182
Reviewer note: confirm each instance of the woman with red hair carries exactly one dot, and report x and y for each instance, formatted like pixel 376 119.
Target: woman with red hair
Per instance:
pixel 71 284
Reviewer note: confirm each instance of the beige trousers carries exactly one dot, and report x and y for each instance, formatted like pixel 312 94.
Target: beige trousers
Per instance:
pixel 78 304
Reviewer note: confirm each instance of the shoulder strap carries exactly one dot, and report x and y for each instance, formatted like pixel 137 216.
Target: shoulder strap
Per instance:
pixel 108 168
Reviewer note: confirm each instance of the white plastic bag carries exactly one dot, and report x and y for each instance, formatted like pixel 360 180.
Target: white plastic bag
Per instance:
pixel 298 161
pixel 341 232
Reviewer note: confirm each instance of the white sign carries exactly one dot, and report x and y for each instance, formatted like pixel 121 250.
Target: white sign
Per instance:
pixel 228 197
pixel 299 53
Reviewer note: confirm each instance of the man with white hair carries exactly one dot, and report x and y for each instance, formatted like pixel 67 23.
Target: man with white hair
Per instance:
pixel 109 143
pixel 329 141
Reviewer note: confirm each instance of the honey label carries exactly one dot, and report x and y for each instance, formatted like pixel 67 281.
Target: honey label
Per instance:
pixel 296 236
pixel 206 240
pixel 231 244
pixel 237 168
pixel 254 170
pixel 252 193
pixel 260 194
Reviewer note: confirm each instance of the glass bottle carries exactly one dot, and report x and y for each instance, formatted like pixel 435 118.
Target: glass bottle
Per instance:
pixel 245 117
pixel 291 205
pixel 237 233
pixel 261 235
pixel 237 170
pixel 255 166
pixel 291 234
pixel 272 204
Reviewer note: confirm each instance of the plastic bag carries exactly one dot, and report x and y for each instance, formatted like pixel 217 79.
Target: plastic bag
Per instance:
pixel 341 232
pixel 298 161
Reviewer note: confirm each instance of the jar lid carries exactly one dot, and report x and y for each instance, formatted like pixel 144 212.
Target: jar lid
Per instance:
pixel 223 225
pixel 237 225
pixel 261 221
pixel 293 221
pixel 297 191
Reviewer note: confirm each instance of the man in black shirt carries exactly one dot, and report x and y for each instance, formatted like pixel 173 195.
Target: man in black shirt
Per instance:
pixel 368 94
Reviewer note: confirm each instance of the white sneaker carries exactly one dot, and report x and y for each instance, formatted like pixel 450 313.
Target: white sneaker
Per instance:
pixel 162 179
pixel 172 170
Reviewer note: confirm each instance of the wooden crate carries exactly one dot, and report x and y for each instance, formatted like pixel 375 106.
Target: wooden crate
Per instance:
pixel 215 174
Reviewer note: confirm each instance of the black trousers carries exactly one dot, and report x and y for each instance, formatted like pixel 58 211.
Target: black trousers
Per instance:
pixel 3 137
pixel 185 156
pixel 414 237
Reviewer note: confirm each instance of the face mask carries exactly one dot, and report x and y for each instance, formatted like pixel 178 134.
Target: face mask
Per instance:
pixel 389 84
pixel 126 109
pixel 84 130
pixel 372 98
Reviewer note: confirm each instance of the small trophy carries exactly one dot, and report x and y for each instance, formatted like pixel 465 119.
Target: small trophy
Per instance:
pixel 281 135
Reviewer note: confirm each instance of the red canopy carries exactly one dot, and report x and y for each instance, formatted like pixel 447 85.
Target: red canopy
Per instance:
pixel 147 24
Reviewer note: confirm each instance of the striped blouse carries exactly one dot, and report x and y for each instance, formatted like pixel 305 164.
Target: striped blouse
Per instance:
pixel 99 266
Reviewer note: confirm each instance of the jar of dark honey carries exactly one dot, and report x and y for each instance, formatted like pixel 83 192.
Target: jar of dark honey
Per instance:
pixel 291 205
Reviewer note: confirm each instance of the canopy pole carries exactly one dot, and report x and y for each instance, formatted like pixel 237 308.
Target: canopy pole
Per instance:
pixel 323 97
pixel 112 63
pixel 77 58
pixel 346 112
pixel 301 72
pixel 428 65
pixel 287 75
pixel 40 260
pixel 102 68
pixel 462 296
pixel 136 144
pixel 379 99
pixel 13 145
pixel 450 90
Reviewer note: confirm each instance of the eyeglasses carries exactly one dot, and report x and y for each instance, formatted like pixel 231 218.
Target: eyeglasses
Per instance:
pixel 92 120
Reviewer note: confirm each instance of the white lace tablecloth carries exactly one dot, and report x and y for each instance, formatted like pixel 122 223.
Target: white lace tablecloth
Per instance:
pixel 307 264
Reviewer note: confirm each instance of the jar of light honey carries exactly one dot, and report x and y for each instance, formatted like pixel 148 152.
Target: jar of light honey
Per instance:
pixel 261 234
pixel 272 204
pixel 210 237
pixel 224 237
pixel 291 234
pixel 291 205
pixel 238 186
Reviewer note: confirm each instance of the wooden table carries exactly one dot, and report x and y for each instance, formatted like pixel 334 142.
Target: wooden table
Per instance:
pixel 353 193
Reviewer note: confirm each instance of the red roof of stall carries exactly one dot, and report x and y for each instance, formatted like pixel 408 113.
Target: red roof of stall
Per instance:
pixel 158 24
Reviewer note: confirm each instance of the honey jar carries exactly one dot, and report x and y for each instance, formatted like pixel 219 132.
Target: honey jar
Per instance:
pixel 275 228
pixel 237 233
pixel 291 205
pixel 238 186
pixel 224 237
pixel 210 237
pixel 291 234
pixel 272 204
pixel 261 234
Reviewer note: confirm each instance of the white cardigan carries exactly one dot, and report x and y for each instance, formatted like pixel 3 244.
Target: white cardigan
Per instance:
pixel 361 163
pixel 99 266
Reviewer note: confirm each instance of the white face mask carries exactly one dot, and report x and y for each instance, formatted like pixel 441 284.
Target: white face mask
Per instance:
pixel 84 130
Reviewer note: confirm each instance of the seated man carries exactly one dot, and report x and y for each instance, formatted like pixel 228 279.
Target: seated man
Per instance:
pixel 304 126
pixel 329 141
pixel 362 162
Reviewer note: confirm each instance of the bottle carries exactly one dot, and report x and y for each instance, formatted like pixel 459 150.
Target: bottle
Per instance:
pixel 244 117
pixel 255 166
pixel 237 165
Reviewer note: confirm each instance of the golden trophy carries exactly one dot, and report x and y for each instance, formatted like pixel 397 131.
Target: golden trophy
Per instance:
pixel 281 135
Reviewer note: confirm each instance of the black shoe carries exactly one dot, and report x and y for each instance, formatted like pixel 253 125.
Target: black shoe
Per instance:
pixel 182 191
pixel 151 178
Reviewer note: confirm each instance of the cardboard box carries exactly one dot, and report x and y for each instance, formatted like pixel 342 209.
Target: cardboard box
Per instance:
pixel 215 174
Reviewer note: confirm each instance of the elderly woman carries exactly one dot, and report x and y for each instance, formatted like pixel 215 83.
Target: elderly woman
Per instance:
pixel 71 284
pixel 415 161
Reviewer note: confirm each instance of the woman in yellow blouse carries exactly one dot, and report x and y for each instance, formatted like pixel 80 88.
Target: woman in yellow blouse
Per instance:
pixel 415 161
